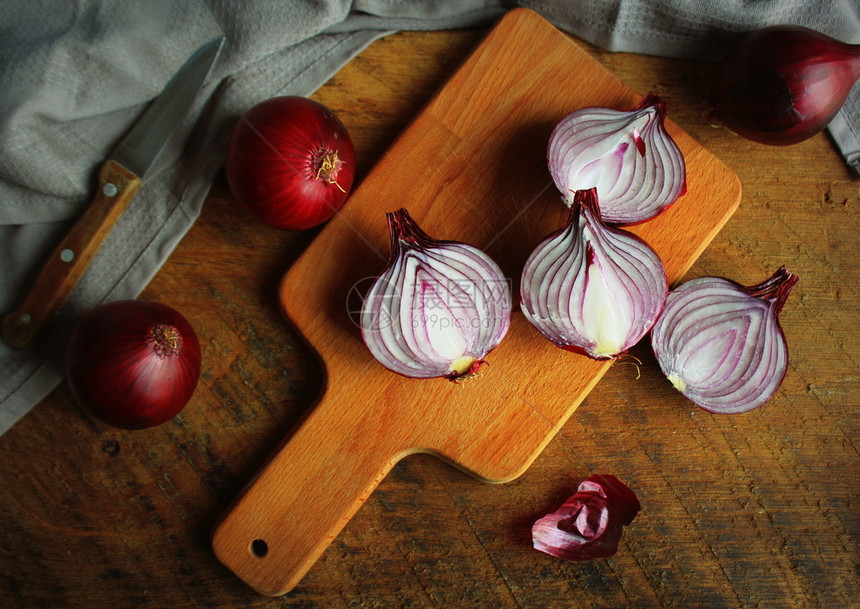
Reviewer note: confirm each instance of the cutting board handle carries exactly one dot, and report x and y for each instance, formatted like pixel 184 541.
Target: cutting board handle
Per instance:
pixel 305 495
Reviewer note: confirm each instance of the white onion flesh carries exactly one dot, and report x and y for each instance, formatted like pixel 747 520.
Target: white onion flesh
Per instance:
pixel 720 343
pixel 628 156
pixel 593 288
pixel 438 308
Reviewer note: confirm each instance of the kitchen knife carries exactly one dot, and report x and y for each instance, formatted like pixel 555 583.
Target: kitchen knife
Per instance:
pixel 119 180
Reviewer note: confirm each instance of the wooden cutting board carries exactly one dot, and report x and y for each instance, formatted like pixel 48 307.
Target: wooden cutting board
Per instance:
pixel 471 168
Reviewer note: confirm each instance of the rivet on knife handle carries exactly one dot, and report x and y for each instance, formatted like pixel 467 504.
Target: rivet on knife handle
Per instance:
pixel 117 186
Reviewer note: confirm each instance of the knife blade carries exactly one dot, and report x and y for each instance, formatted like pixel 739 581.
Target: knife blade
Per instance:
pixel 119 180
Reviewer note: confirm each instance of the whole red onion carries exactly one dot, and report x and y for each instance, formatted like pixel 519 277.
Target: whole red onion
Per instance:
pixel 783 84
pixel 290 162
pixel 133 364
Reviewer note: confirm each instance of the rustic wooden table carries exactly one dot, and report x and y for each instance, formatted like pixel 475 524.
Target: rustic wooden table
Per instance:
pixel 751 510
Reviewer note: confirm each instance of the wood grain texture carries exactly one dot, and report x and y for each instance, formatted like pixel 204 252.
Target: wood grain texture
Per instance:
pixel 471 167
pixel 72 256
pixel 755 511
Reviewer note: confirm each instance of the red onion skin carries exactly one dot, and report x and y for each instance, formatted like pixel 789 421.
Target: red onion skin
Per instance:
pixel 290 162
pixel 589 524
pixel 121 374
pixel 781 85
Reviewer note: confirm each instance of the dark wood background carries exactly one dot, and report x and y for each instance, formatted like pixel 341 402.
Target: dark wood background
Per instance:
pixel 752 510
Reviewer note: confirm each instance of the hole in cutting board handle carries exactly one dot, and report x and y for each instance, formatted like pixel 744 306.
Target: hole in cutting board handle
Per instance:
pixel 259 548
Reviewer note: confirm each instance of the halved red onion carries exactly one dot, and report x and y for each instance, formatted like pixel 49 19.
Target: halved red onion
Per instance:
pixel 438 308
pixel 628 156
pixel 590 287
pixel 720 343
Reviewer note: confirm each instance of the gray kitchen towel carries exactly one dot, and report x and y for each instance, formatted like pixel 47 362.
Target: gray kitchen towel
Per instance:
pixel 75 75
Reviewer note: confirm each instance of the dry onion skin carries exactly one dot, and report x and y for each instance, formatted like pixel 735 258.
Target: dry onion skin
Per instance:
pixel 721 344
pixel 589 524
pixel 630 158
pixel 593 288
pixel 438 308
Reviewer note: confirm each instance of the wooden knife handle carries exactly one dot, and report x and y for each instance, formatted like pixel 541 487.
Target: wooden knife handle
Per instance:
pixel 301 499
pixel 69 261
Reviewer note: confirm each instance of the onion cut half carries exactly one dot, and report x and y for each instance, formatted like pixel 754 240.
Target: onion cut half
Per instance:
pixel 721 344
pixel 630 158
pixel 438 308
pixel 592 288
